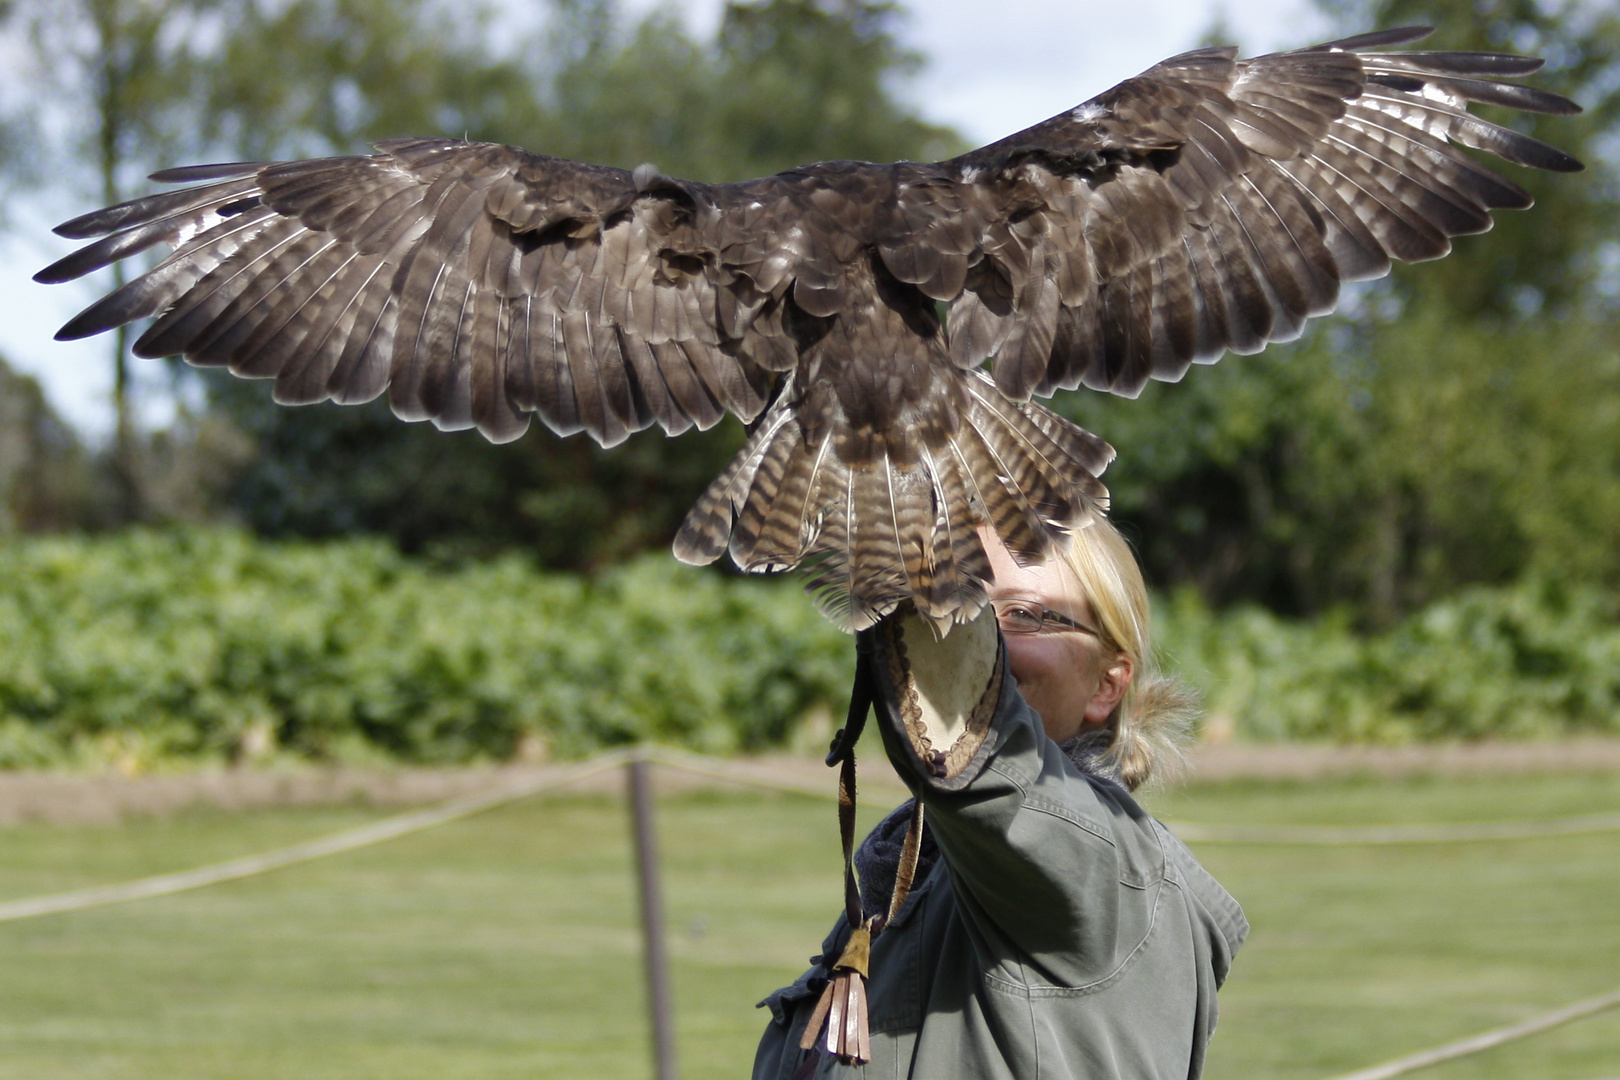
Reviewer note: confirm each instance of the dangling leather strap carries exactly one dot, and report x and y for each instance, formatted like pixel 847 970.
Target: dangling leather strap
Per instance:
pixel 842 1012
pixel 907 870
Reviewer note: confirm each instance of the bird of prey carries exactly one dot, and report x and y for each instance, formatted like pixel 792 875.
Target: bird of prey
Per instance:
pixel 882 327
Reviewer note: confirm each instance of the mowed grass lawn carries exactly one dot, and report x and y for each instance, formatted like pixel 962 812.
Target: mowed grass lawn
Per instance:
pixel 505 945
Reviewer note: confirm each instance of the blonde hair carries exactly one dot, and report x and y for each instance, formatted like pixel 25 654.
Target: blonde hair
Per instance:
pixel 1149 729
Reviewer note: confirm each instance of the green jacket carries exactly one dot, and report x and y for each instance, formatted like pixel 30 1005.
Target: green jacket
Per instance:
pixel 1062 934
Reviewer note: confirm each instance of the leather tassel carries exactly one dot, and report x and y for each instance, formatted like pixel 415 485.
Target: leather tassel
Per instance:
pixel 842 1012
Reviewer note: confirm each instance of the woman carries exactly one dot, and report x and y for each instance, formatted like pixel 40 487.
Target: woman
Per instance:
pixel 1054 929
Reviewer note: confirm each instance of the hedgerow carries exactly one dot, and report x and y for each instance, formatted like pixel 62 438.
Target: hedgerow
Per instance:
pixel 147 647
pixel 1537 658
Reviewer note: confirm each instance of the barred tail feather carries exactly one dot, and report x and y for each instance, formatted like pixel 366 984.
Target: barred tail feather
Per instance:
pixel 704 533
pixel 774 532
pixel 830 561
pixel 875 534
pixel 957 564
pixel 1045 463
pixel 778 453
pixel 1001 504
pixel 877 572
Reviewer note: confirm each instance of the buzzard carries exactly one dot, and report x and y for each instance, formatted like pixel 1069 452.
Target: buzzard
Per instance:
pixel 882 327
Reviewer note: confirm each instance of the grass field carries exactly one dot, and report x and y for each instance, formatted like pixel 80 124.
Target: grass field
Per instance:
pixel 504 945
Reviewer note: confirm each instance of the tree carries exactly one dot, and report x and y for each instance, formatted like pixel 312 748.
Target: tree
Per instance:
pixel 46 475
pixel 308 77
pixel 119 76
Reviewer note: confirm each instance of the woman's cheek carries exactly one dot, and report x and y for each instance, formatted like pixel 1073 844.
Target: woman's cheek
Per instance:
pixel 1019 663
pixel 1035 672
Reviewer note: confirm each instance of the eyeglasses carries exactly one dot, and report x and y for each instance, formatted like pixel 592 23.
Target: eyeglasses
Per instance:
pixel 1029 617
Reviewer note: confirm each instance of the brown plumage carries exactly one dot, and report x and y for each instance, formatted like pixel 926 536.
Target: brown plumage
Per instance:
pixel 1210 204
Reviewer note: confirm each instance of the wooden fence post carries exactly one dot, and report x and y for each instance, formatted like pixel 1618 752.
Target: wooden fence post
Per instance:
pixel 652 917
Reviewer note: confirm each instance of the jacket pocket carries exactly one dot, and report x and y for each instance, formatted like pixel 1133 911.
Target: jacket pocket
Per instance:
pixel 785 1001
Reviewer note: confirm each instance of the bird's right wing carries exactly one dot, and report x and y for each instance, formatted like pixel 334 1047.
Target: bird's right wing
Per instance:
pixel 477 284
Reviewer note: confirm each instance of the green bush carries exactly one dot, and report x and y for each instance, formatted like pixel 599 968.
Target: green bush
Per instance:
pixel 1536 658
pixel 148 646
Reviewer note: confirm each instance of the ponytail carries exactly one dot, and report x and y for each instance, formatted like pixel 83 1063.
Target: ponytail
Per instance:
pixel 1149 731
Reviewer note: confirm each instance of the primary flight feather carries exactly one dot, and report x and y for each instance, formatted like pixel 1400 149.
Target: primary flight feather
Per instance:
pixel 1209 204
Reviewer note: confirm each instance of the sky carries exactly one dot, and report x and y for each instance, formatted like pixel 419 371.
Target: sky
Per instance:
pixel 992 69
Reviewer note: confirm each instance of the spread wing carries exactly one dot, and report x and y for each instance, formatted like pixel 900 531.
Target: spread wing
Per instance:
pixel 1215 204
pixel 1209 204
pixel 476 283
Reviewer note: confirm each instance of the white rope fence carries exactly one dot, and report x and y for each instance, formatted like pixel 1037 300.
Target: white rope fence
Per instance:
pixel 1194 833
pixel 335 844
pixel 401 825
pixel 1395 834
pixel 1486 1041
pixel 747 775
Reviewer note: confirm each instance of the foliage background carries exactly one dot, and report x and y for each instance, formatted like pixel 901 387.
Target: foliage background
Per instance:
pixel 150 646
pixel 147 647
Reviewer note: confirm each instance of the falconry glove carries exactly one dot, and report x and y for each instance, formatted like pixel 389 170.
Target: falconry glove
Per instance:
pixel 941 688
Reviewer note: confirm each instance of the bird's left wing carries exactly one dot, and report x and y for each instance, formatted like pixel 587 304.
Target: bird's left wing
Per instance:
pixel 477 284
pixel 1215 204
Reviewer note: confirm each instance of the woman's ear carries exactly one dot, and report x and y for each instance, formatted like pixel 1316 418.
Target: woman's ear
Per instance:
pixel 1116 679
